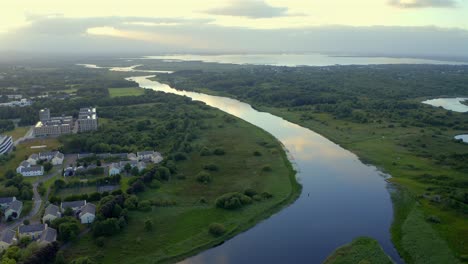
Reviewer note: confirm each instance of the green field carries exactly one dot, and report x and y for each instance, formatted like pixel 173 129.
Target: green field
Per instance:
pixel 17 132
pixel 361 250
pixel 181 230
pixel 132 91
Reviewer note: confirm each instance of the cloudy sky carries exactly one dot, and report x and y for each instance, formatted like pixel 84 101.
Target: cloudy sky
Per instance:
pixel 399 27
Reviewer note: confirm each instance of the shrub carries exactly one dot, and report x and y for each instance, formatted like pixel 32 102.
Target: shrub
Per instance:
pixel 219 152
pixel 131 202
pixel 148 225
pixel 204 177
pixel 180 156
pixel 211 167
pixel 266 195
pixel 100 241
pixel 144 206
pixel 257 153
pixel 205 152
pixel 266 168
pixel 154 184
pixel 217 229
pixel 433 219
pixel 232 201
pixel 250 192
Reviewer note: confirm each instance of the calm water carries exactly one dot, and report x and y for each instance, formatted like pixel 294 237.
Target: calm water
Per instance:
pixel 453 104
pixel 310 59
pixel 341 199
pixel 464 138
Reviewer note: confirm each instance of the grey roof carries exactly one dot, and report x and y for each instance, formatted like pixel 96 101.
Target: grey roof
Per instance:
pixel 31 228
pixel 32 168
pixel 132 163
pixel 7 199
pixel 52 210
pixel 149 152
pixel 7 236
pixel 49 235
pixel 24 163
pixel 73 204
pixel 59 155
pixel 15 206
pixel 34 156
pixel 88 208
pixel 47 154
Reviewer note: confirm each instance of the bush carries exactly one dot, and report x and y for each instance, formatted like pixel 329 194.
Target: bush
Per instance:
pixel 211 167
pixel 433 219
pixel 205 152
pixel 219 152
pixel 232 201
pixel 148 225
pixel 100 241
pixel 250 192
pixel 217 229
pixel 144 206
pixel 266 195
pixel 266 168
pixel 204 177
pixel 257 153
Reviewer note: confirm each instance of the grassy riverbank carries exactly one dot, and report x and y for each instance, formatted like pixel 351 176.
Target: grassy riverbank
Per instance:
pixel 361 250
pixel 251 159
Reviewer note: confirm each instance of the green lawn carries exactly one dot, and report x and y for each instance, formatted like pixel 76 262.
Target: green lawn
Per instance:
pixel 182 230
pixel 131 91
pixel 17 132
pixel 361 250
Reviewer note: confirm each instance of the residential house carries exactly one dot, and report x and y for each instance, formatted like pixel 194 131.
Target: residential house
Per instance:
pixel 51 213
pixel 87 213
pixel 14 210
pixel 141 166
pixel 132 156
pixel 57 159
pixel 152 156
pixel 114 169
pixel 74 205
pixel 6 201
pixel 7 238
pixel 33 159
pixel 49 235
pixel 34 231
pixel 32 171
pixel 23 165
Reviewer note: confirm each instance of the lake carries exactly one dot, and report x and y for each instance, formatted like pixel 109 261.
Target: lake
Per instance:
pixel 342 198
pixel 452 104
pixel 308 59
pixel 464 138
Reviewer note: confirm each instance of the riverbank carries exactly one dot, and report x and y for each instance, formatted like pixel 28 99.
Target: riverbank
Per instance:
pixel 251 159
pixel 360 250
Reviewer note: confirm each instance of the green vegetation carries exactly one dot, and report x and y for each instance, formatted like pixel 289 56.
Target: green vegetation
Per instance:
pixel 361 250
pixel 376 112
pixel 132 91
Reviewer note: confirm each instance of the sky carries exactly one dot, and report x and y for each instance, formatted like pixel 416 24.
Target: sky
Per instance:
pixel 417 27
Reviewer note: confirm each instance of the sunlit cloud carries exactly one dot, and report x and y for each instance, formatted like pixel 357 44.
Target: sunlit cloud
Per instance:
pixel 152 24
pixel 422 3
pixel 249 9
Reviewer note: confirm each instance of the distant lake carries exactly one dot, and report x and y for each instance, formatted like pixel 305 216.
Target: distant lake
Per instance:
pixel 309 59
pixel 452 104
pixel 464 138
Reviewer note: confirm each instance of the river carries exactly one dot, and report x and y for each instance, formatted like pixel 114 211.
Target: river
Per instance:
pixel 342 198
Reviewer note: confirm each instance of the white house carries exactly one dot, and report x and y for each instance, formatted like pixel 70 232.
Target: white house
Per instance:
pixel 57 159
pixel 14 210
pixel 7 238
pixel 23 165
pixel 132 156
pixel 152 155
pixel 33 159
pixel 34 230
pixel 32 171
pixel 114 169
pixel 88 213
pixel 51 213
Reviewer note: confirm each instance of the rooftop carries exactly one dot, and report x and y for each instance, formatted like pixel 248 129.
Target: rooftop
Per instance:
pixel 88 208
pixel 7 236
pixel 31 228
pixel 52 210
pixel 73 204
pixel 49 235
pixel 15 205
pixel 7 199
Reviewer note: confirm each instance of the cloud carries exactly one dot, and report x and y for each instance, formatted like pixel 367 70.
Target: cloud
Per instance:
pixel 250 9
pixel 423 3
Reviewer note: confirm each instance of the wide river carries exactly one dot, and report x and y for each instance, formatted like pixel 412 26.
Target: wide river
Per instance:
pixel 342 198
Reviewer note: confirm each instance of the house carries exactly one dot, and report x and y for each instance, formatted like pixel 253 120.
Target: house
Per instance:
pixel 49 235
pixel 57 159
pixel 32 171
pixel 14 210
pixel 33 159
pixel 47 155
pixel 6 201
pixel 132 156
pixel 51 213
pixel 74 205
pixel 34 230
pixel 23 165
pixel 114 169
pixel 152 156
pixel 7 238
pixel 88 213
pixel 141 166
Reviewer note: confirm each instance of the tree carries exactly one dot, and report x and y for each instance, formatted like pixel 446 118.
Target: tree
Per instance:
pixel 9 174
pixel 68 231
pixel 127 167
pixel 48 166
pixel 26 222
pixel 68 211
pixel 148 225
pixel 135 171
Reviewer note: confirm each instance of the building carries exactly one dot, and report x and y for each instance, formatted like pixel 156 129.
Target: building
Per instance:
pixel 51 213
pixel 114 169
pixel 87 213
pixel 32 171
pixel 14 210
pixel 151 155
pixel 57 159
pixel 6 144
pixel 7 238
pixel 87 120
pixel 44 115
pixel 33 159
pixel 54 127
pixel 34 231
pixel 74 205
pixel 132 156
pixel 49 235
pixel 6 201
pixel 23 165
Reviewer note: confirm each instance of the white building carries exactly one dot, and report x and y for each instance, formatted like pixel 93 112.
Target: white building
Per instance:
pixel 14 210
pixel 88 213
pixel 6 143
pixel 87 120
pixel 23 165
pixel 51 213
pixel 32 171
